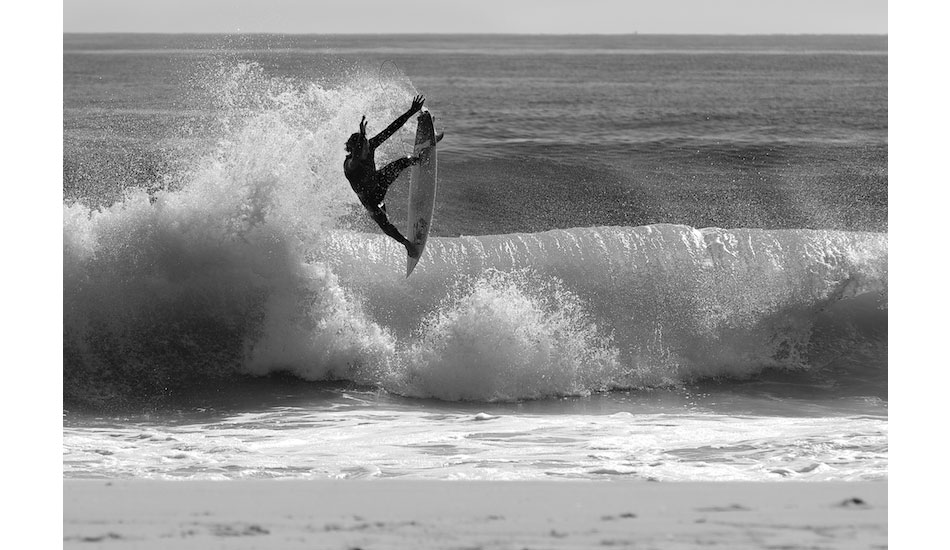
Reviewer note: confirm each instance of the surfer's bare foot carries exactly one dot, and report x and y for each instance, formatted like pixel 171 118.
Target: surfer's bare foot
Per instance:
pixel 415 160
pixel 412 250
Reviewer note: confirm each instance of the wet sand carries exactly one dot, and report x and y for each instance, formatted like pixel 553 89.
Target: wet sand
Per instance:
pixel 370 514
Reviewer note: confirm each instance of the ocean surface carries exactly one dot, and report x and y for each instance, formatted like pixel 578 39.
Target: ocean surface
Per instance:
pixel 653 257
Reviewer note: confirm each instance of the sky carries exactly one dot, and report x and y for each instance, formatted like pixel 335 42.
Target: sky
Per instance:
pixel 479 16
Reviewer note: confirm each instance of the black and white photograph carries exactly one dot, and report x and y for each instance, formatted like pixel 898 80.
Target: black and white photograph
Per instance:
pixel 474 275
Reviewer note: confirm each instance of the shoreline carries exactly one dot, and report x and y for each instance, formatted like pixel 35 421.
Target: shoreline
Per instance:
pixel 423 514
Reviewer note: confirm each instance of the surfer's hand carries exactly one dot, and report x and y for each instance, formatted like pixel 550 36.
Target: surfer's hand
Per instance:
pixel 417 103
pixel 363 125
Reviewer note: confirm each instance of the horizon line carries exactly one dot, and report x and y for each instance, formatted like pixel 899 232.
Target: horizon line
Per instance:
pixel 478 33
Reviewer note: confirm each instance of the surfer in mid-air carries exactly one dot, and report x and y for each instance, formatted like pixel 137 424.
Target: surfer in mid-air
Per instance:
pixel 371 184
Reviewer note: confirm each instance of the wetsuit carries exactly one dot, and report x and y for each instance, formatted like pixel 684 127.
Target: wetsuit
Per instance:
pixel 370 184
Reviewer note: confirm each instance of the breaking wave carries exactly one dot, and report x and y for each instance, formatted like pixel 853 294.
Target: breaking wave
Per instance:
pixel 244 265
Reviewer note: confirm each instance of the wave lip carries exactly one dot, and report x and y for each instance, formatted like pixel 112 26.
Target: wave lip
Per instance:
pixel 495 317
pixel 666 304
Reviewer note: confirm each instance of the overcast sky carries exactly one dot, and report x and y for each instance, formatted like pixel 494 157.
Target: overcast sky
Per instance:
pixel 479 16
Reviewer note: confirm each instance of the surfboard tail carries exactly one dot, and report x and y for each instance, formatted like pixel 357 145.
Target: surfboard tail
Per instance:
pixel 410 265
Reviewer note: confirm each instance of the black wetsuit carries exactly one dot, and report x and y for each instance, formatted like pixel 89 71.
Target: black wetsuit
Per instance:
pixel 370 184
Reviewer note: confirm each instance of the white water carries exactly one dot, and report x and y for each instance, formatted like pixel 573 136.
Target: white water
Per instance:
pixel 363 439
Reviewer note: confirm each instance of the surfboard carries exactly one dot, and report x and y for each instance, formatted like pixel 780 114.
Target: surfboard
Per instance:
pixel 422 187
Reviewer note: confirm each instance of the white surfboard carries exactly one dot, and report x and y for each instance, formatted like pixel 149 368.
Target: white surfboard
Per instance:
pixel 422 187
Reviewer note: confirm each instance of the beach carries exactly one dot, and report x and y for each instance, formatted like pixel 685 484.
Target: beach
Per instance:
pixel 460 514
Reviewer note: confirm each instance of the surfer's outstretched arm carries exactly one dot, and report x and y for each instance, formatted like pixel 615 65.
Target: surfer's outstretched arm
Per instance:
pixel 379 138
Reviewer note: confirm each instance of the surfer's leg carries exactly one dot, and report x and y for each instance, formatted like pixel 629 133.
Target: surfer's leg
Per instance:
pixel 388 174
pixel 379 216
pixel 392 170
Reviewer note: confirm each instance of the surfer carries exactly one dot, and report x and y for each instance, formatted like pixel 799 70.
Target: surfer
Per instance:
pixel 371 184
